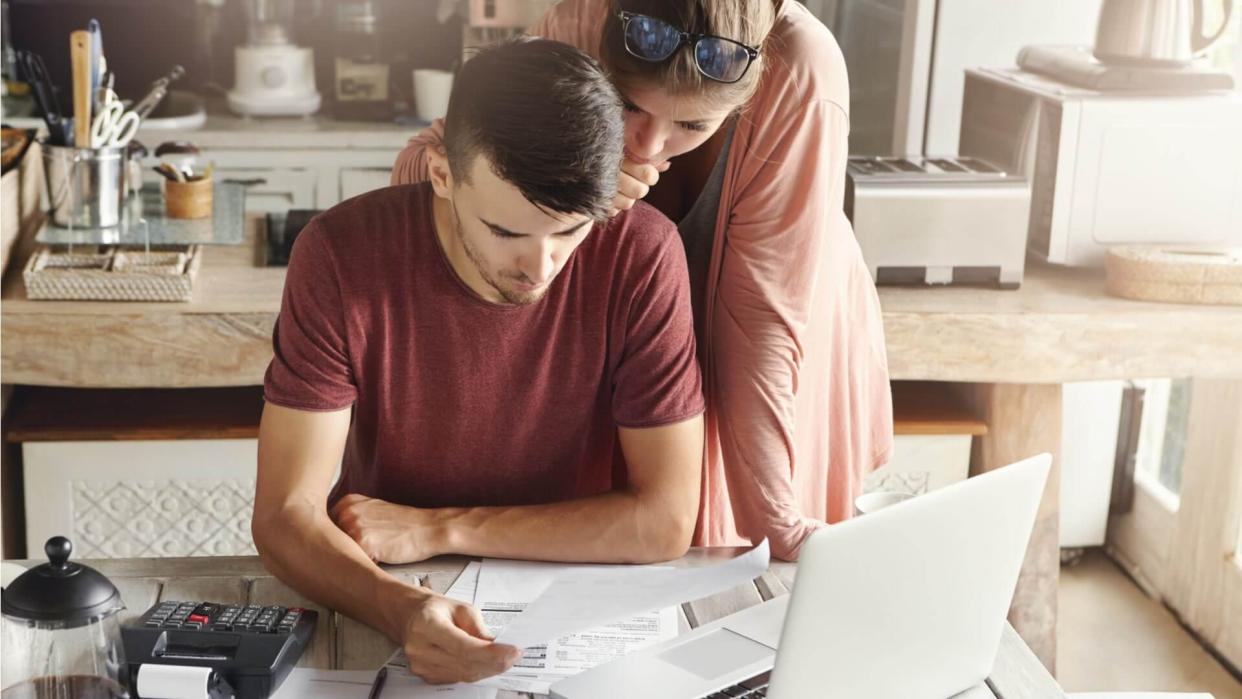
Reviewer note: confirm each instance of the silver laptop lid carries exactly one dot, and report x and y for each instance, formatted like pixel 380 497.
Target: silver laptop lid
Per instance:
pixel 910 602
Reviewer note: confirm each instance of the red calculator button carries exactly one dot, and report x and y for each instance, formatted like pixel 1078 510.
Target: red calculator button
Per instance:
pixel 198 618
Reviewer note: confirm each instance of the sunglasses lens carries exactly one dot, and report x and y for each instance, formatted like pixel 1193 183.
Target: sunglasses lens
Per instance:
pixel 721 60
pixel 651 39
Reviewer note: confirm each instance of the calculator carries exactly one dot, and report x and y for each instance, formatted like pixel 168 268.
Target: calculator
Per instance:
pixel 251 646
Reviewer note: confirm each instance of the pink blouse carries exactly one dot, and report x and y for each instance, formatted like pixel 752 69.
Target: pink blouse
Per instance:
pixel 795 372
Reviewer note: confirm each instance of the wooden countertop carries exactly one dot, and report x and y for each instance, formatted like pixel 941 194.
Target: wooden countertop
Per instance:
pixel 342 643
pixel 1059 326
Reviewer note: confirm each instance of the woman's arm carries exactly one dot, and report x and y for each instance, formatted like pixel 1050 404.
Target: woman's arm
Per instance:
pixel 788 201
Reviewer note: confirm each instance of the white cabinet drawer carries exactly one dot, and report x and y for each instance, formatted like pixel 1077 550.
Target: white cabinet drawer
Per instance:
pixel 142 498
pixel 274 190
pixel 921 463
pixel 355 181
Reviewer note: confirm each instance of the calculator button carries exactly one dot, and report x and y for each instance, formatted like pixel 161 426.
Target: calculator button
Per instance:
pixel 154 622
pixel 221 626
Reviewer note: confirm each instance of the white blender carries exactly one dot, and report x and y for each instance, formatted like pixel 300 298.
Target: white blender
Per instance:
pixel 273 77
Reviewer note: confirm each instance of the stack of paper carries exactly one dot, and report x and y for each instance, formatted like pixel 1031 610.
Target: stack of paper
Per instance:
pixel 500 590
pixel 570 618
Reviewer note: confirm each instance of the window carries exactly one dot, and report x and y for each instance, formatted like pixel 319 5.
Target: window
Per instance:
pixel 1162 439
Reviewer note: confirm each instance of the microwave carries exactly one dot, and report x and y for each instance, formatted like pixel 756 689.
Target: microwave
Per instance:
pixel 1110 168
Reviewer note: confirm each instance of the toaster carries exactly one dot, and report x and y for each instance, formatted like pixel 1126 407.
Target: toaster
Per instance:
pixel 950 220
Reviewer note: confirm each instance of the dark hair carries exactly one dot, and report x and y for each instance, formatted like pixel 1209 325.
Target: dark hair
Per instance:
pixel 548 119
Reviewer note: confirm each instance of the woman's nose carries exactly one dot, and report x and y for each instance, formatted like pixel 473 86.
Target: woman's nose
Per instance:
pixel 648 141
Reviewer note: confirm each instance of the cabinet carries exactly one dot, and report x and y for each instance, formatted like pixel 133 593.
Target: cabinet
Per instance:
pixel 274 190
pixel 355 181
pixel 312 163
pixel 138 472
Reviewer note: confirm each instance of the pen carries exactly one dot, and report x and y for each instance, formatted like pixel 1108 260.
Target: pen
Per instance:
pixel 378 685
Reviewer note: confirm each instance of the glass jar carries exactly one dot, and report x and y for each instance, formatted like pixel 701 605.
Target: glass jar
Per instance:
pixel 61 634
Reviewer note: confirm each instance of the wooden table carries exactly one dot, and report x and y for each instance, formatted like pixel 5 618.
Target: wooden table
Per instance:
pixel 342 643
pixel 1009 351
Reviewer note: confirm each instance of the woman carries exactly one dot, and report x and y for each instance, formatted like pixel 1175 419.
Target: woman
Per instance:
pixel 751 98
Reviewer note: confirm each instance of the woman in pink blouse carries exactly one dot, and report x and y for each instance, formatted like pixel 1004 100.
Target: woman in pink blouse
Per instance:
pixel 751 98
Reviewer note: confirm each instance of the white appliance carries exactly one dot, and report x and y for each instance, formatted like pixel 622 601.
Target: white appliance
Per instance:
pixel 854 626
pixel 272 76
pixel 938 220
pixel 906 57
pixel 1110 168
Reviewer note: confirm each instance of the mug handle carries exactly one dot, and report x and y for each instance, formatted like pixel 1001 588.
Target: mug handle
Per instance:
pixel 1201 42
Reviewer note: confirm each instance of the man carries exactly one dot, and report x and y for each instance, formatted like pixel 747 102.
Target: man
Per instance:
pixel 504 372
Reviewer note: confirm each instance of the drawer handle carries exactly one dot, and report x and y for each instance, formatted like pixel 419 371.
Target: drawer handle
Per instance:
pixel 246 183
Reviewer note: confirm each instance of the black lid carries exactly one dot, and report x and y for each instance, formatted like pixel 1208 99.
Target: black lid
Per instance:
pixel 61 593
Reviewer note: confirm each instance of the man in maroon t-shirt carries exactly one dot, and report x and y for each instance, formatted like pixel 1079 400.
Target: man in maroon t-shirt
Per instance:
pixel 497 368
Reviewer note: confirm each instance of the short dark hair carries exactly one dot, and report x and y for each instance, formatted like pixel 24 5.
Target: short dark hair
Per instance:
pixel 548 119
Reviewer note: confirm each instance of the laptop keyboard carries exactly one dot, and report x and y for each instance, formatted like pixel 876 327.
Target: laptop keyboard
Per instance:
pixel 753 688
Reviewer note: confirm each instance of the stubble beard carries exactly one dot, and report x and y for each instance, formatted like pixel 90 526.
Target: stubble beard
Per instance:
pixel 511 296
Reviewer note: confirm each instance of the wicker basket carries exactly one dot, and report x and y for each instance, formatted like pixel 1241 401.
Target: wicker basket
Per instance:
pixel 113 274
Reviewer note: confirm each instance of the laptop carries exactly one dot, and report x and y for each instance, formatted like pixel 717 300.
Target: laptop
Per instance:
pixel 908 602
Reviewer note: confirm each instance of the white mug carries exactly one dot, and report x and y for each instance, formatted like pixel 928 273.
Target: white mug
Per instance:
pixel 431 93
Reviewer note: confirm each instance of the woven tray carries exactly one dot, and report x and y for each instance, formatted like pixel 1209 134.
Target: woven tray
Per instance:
pixel 113 274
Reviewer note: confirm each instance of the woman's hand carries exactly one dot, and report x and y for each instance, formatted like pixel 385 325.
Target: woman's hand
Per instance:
pixel 635 181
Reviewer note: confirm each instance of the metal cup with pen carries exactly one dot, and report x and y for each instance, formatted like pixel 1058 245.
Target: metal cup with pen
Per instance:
pixel 86 164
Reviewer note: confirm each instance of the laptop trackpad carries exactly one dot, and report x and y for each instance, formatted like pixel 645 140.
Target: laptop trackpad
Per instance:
pixel 711 655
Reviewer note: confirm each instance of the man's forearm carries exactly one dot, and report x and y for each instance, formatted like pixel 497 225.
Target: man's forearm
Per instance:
pixel 616 527
pixel 300 545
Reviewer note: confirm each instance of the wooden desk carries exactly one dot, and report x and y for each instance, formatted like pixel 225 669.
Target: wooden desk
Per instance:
pixel 342 643
pixel 1010 351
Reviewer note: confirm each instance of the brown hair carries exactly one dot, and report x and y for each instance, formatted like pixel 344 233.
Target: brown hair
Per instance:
pixel 546 116
pixel 745 21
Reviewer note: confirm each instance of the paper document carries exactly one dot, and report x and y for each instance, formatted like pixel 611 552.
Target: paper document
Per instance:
pixel 577 600
pixel 505 588
pixel 303 683
pixel 502 589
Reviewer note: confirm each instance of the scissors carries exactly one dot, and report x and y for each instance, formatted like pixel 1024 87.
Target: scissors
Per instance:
pixel 114 125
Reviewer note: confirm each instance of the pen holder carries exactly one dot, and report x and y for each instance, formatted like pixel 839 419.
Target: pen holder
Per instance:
pixel 188 199
pixel 85 186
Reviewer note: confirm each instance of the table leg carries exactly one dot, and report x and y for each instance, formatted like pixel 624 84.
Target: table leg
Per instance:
pixel 1024 420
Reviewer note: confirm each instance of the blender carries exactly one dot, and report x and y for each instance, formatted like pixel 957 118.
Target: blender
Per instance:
pixel 272 76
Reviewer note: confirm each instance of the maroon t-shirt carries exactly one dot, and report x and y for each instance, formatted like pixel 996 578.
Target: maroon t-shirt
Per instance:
pixel 462 402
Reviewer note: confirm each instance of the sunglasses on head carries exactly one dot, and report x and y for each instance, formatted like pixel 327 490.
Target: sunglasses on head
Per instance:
pixel 654 40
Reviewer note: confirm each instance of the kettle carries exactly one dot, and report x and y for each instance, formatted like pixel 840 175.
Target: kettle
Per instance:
pixel 61 634
pixel 1164 33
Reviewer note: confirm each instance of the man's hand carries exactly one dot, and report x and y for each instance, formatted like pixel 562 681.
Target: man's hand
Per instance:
pixel 635 181
pixel 387 533
pixel 446 641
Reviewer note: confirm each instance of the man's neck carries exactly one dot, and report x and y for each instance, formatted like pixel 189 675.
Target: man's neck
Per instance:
pixel 459 261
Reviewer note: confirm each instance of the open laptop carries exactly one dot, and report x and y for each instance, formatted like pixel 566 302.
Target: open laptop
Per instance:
pixel 905 603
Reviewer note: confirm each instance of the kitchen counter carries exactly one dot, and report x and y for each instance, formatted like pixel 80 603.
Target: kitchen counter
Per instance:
pixel 1007 351
pixel 226 130
pixel 1060 326
pixel 342 643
